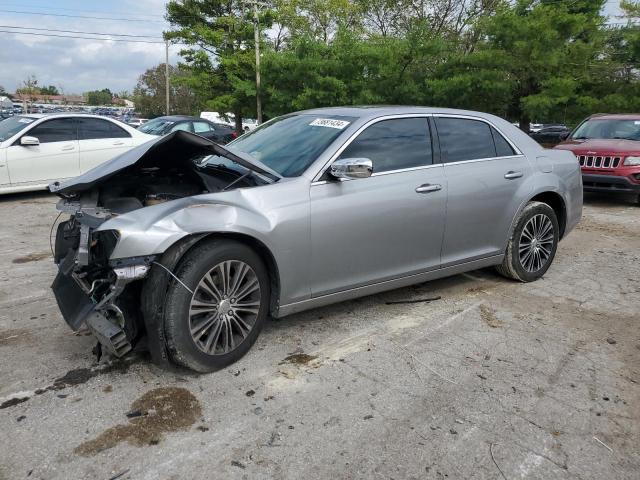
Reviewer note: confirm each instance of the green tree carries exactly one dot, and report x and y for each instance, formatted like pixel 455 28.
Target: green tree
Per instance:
pixel 49 90
pixel 533 63
pixel 99 97
pixel 149 94
pixel 220 55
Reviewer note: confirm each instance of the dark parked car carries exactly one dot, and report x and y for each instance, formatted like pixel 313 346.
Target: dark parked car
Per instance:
pixel 216 132
pixel 551 135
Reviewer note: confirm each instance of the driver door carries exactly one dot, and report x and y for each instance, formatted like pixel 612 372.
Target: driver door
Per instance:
pixel 386 226
pixel 55 158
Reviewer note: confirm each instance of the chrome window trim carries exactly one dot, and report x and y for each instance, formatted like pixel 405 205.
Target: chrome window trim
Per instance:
pixel 480 119
pixel 320 172
pixel 316 178
pixel 482 159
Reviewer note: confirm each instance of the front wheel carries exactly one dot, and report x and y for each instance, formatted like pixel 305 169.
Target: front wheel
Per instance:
pixel 213 318
pixel 532 245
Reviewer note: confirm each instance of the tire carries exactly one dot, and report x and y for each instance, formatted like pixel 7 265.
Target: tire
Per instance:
pixel 232 327
pixel 535 219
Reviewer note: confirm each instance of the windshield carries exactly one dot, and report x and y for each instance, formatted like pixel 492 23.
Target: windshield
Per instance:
pixel 608 128
pixel 290 144
pixel 12 125
pixel 155 127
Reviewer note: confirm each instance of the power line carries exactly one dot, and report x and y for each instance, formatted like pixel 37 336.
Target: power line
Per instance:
pixel 80 38
pixel 80 16
pixel 84 33
pixel 46 7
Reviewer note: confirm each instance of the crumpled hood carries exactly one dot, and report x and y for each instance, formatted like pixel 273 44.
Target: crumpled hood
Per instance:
pixel 169 150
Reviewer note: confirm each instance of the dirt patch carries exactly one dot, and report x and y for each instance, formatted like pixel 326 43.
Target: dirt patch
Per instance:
pixel 488 316
pixel 32 257
pixel 163 410
pixel 298 359
pixel 13 337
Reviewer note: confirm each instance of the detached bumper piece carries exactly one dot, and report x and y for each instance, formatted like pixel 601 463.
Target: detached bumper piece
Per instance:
pixel 608 183
pixel 112 337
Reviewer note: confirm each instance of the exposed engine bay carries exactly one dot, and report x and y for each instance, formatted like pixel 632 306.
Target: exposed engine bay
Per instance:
pixel 102 293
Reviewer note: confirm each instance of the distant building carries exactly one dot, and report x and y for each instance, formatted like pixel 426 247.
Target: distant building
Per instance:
pixel 54 99
pixel 123 102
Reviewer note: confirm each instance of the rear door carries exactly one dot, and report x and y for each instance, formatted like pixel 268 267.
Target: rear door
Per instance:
pixel 55 158
pixel 486 186
pixel 386 226
pixel 100 140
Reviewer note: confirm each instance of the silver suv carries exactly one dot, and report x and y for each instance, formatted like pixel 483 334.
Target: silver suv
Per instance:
pixel 191 245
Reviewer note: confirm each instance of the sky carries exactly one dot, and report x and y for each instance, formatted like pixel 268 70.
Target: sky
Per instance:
pixel 80 65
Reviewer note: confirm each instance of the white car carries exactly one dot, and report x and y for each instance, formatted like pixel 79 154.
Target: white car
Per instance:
pixel 137 122
pixel 37 149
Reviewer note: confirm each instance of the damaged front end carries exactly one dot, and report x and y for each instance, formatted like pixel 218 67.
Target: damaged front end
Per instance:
pixel 104 293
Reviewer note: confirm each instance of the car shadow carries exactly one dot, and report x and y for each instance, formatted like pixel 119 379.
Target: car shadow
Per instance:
pixel 608 200
pixel 39 196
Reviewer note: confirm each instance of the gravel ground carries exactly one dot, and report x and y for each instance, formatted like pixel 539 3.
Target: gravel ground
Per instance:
pixel 496 380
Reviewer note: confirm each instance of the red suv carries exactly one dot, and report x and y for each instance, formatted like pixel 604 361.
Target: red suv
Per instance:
pixel 608 149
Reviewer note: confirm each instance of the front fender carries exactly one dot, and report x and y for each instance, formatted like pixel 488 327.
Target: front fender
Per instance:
pixel 153 230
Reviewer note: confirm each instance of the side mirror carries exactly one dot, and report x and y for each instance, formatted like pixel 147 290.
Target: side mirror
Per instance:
pixel 564 135
pixel 29 141
pixel 351 168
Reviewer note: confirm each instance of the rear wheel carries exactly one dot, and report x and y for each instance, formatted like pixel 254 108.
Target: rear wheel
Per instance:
pixel 215 317
pixel 532 245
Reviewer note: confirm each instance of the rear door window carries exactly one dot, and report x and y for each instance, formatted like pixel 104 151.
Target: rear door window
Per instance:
pixel 95 128
pixel 186 126
pixel 393 144
pixel 464 139
pixel 56 130
pixel 503 148
pixel 201 127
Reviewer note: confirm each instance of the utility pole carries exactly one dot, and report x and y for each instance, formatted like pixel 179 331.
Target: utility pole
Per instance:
pixel 256 31
pixel 166 73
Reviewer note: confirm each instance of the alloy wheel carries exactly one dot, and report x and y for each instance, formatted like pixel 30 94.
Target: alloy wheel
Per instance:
pixel 224 307
pixel 536 243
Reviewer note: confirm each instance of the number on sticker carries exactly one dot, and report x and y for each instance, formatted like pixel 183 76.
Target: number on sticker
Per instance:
pixel 329 122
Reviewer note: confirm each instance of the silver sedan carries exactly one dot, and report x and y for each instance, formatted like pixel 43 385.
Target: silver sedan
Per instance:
pixel 191 246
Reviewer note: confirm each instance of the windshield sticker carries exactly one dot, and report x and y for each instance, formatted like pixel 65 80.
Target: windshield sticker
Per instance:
pixel 25 120
pixel 329 122
pixel 636 122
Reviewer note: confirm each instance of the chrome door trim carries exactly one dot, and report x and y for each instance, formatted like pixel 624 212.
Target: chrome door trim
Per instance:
pixel 336 154
pixel 405 281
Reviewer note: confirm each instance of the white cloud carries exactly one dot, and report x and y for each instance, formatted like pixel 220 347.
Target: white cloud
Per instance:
pixel 81 65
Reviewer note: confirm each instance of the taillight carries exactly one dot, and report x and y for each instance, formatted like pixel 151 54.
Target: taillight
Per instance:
pixel 234 134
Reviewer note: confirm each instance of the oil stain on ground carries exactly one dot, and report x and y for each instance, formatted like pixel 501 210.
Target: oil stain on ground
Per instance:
pixel 488 315
pixel 32 257
pixel 298 359
pixel 162 410
pixel 73 378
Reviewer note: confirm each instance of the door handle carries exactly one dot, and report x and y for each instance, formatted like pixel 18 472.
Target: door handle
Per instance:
pixel 428 188
pixel 118 143
pixel 67 148
pixel 511 175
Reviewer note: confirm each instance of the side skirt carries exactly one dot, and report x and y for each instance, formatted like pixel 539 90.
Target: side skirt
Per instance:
pixel 291 308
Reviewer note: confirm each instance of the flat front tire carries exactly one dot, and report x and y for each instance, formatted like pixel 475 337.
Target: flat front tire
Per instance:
pixel 532 245
pixel 214 317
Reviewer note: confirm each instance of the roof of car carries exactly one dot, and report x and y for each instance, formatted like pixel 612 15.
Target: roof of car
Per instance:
pixel 61 114
pixel 363 111
pixel 616 116
pixel 175 118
